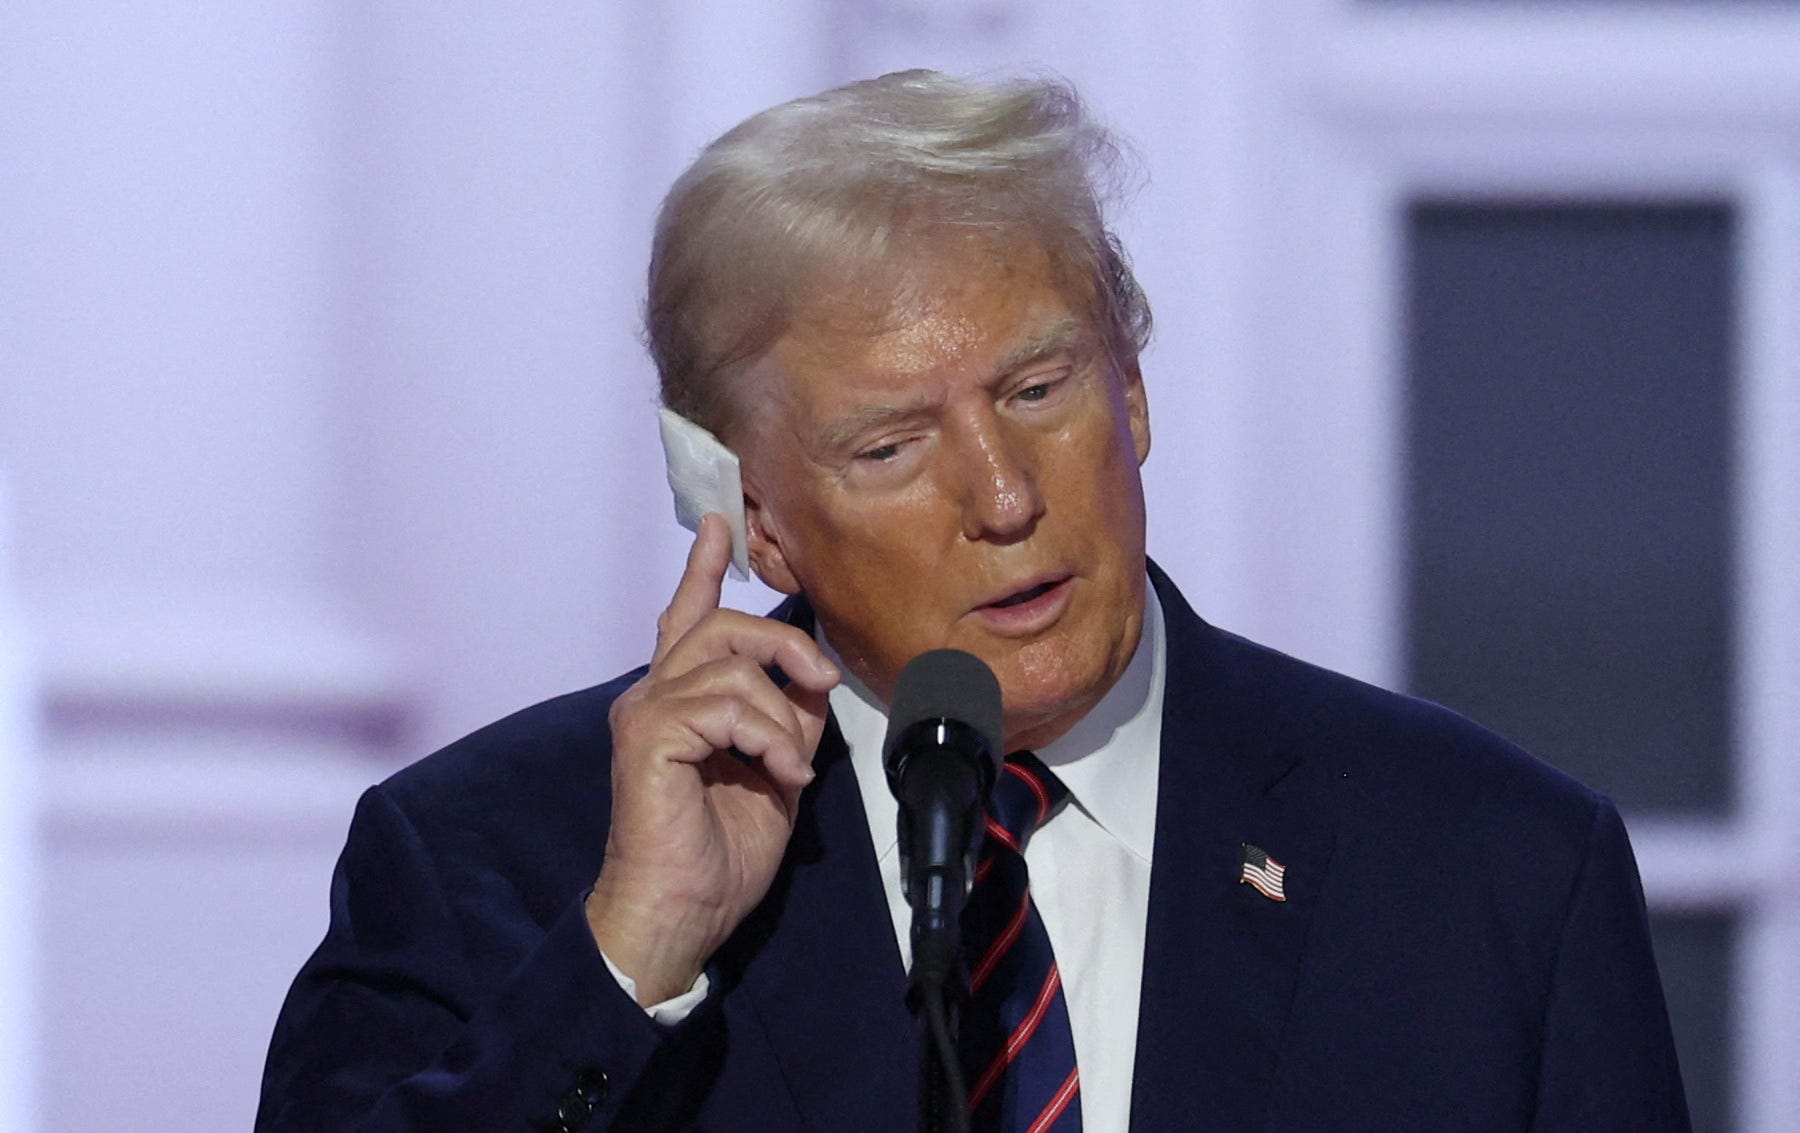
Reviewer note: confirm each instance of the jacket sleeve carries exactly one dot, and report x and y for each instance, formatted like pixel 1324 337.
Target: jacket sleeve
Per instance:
pixel 1608 1054
pixel 411 1015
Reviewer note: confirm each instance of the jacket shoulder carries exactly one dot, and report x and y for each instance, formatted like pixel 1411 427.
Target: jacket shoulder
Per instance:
pixel 516 812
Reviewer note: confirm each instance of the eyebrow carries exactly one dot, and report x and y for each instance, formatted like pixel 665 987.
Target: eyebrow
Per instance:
pixel 1060 336
pixel 1064 335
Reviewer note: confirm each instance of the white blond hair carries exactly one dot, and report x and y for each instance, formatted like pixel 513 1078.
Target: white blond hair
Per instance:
pixel 811 200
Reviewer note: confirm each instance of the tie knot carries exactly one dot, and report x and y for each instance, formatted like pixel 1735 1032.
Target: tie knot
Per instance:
pixel 1026 793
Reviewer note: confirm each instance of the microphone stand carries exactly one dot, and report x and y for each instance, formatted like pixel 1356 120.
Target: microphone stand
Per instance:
pixel 943 1095
pixel 937 837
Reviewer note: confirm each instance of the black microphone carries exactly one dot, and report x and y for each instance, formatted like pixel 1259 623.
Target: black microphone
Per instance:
pixel 941 755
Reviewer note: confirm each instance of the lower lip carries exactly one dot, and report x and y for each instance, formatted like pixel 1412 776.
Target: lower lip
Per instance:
pixel 1027 618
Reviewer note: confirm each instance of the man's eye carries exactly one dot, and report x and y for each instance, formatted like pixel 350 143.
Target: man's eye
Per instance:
pixel 1040 390
pixel 880 453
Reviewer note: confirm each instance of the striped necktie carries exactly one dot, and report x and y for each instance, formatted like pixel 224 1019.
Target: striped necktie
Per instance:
pixel 1017 1051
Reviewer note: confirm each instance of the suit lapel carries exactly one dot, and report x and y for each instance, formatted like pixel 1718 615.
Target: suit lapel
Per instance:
pixel 1221 960
pixel 820 967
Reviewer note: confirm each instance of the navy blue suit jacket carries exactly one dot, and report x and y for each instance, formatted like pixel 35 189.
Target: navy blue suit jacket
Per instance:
pixel 1463 946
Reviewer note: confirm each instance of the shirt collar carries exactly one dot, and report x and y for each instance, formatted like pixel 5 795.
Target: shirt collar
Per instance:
pixel 1108 760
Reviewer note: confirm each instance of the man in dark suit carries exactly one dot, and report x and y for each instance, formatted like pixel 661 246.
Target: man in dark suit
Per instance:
pixel 1261 896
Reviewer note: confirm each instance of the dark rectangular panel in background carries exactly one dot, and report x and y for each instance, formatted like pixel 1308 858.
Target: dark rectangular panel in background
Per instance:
pixel 1569 460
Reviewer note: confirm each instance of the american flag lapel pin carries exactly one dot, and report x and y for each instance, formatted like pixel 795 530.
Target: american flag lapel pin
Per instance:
pixel 1263 873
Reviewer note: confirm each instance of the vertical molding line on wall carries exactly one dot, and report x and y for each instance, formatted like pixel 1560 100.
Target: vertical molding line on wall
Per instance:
pixel 1379 344
pixel 1768 629
pixel 18 856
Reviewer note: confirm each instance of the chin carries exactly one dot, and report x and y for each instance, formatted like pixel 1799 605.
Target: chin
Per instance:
pixel 1046 690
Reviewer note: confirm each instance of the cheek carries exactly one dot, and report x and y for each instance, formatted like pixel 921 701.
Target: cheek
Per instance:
pixel 846 545
pixel 1089 467
pixel 845 523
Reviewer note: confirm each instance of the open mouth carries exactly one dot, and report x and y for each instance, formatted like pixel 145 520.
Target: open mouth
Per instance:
pixel 1024 596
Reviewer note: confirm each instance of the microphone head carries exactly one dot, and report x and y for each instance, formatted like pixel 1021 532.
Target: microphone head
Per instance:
pixel 946 684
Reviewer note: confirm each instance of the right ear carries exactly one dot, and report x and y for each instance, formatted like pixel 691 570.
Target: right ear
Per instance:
pixel 762 535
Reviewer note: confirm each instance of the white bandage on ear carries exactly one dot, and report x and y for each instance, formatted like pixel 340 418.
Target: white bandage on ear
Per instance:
pixel 704 476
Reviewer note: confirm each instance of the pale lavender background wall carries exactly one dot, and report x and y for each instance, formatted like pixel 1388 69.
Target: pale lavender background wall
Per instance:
pixel 327 436
pixel 18 853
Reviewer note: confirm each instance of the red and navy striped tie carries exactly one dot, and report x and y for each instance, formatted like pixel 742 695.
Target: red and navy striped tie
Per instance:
pixel 1017 1050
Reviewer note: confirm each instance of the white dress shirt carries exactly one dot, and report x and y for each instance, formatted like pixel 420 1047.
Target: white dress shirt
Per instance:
pixel 1089 864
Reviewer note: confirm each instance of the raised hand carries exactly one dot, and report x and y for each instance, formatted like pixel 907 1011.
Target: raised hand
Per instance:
pixel 709 759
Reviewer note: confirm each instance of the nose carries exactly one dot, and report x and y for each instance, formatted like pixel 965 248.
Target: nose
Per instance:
pixel 997 476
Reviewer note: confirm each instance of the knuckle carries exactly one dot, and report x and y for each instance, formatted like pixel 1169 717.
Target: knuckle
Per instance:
pixel 633 708
pixel 622 704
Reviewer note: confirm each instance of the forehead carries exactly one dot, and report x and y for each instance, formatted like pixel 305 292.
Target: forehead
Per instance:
pixel 967 315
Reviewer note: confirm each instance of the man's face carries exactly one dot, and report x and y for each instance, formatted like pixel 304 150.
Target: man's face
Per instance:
pixel 964 476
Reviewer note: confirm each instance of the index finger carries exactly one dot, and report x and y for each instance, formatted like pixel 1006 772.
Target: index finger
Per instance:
pixel 697 594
